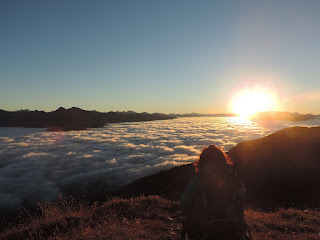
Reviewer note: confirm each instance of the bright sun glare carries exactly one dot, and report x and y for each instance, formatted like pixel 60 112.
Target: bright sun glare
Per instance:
pixel 248 102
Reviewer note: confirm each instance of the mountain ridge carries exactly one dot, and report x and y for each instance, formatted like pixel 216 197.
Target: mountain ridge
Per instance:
pixel 70 119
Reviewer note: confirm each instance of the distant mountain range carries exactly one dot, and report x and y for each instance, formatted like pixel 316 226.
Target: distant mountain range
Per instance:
pixel 281 116
pixel 279 170
pixel 78 119
pixel 72 119
pixel 204 115
pixel 261 116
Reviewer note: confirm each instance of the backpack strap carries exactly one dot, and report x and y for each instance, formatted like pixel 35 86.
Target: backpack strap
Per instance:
pixel 204 199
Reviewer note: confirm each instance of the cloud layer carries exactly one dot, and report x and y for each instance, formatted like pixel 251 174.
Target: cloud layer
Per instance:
pixel 36 165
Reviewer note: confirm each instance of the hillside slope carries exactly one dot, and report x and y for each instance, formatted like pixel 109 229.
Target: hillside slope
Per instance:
pixel 150 217
pixel 282 168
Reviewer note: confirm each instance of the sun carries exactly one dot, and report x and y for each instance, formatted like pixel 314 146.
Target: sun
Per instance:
pixel 248 102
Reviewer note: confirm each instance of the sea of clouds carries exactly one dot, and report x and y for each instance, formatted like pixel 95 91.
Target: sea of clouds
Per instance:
pixel 36 165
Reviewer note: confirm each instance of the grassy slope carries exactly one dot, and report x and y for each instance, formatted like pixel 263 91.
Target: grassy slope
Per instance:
pixel 150 217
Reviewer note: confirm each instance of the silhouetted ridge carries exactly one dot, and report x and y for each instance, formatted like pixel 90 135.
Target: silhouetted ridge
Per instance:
pixel 71 119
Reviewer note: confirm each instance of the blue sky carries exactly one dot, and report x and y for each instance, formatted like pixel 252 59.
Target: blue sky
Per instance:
pixel 157 56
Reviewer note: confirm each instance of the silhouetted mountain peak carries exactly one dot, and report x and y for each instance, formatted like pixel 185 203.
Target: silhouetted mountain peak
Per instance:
pixel 69 110
pixel 61 109
pixel 76 109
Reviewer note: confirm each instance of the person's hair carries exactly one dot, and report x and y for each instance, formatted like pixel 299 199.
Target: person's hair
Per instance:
pixel 209 155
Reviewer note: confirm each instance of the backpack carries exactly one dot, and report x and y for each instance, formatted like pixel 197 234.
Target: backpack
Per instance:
pixel 220 208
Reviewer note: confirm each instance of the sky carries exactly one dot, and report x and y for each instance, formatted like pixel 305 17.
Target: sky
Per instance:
pixel 158 56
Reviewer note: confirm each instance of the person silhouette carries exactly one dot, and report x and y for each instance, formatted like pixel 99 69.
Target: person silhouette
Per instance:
pixel 212 203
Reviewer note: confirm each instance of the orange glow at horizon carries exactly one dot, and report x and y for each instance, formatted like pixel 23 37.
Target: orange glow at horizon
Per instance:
pixel 248 102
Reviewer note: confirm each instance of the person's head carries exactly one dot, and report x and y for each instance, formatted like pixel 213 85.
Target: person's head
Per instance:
pixel 209 155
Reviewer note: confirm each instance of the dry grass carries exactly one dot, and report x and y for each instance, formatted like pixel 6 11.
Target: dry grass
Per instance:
pixel 284 224
pixel 150 217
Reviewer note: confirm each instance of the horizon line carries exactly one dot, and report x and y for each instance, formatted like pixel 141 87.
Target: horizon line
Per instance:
pixel 172 113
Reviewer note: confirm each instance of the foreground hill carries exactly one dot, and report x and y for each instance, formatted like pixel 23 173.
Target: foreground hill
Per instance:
pixel 280 169
pixel 150 217
pixel 71 119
